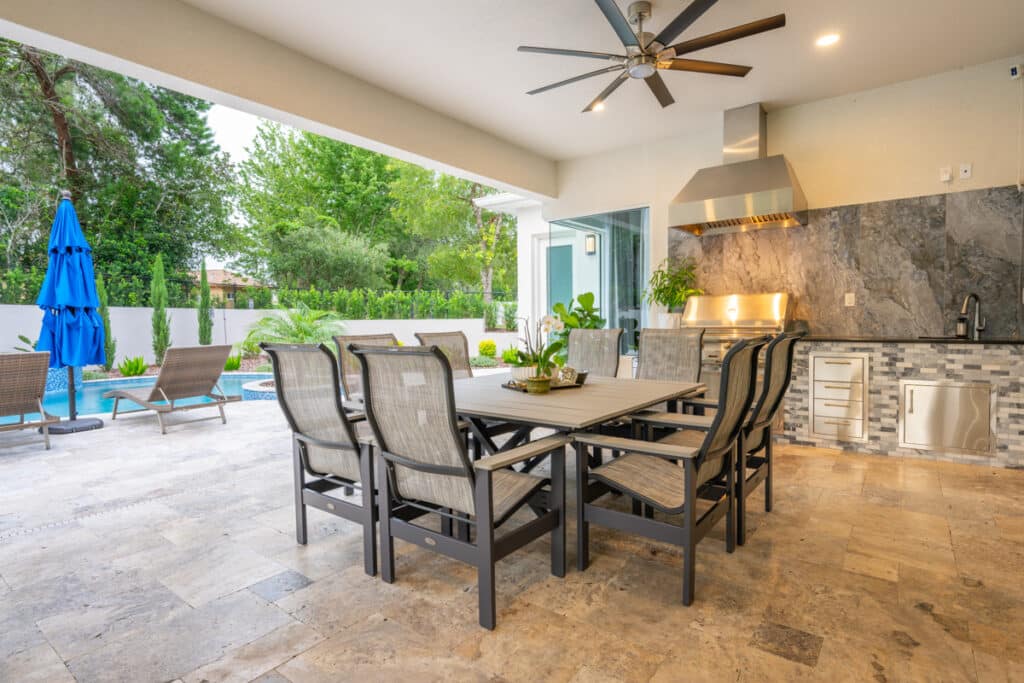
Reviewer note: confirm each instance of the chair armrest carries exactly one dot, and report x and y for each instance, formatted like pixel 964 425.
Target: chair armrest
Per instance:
pixel 521 453
pixel 675 420
pixel 702 402
pixel 655 448
pixel 333 445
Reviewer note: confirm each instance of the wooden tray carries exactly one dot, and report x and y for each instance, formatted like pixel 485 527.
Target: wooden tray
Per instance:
pixel 522 387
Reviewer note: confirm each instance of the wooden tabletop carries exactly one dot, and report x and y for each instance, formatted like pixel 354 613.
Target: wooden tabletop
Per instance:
pixel 600 400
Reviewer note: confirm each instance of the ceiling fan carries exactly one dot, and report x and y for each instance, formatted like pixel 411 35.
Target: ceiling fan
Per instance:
pixel 646 53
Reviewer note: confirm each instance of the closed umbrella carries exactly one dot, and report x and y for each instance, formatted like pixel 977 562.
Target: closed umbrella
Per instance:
pixel 72 329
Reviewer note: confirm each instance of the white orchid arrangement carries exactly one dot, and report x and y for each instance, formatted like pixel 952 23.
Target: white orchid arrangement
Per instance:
pixel 539 352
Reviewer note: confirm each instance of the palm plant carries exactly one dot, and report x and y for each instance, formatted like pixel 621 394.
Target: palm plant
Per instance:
pixel 300 325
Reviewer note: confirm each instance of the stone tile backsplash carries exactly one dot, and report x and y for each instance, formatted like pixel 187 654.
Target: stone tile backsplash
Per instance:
pixel 909 262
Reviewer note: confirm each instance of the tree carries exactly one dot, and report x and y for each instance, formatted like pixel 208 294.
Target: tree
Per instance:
pixel 469 243
pixel 140 161
pixel 161 319
pixel 109 343
pixel 320 255
pixel 300 325
pixel 205 310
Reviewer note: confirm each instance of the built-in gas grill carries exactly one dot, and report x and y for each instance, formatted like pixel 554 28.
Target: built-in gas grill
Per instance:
pixel 730 317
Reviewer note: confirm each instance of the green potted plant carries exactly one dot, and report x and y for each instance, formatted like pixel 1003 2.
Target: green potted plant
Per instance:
pixel 672 283
pixel 539 353
pixel 581 313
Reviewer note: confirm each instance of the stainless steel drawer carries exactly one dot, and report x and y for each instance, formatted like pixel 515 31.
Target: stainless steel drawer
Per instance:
pixel 943 415
pixel 839 427
pixel 824 407
pixel 838 369
pixel 842 391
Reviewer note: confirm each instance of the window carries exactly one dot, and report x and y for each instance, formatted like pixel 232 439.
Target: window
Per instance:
pixel 605 254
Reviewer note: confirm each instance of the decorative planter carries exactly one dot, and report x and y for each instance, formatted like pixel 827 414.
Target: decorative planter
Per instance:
pixel 523 373
pixel 538 385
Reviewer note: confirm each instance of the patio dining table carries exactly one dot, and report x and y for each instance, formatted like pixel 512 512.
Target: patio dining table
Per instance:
pixel 482 400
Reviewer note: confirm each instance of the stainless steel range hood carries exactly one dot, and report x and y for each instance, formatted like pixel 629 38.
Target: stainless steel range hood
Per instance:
pixel 749 191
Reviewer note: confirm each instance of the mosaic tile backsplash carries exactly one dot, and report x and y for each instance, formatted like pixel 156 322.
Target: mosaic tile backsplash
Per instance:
pixel 910 262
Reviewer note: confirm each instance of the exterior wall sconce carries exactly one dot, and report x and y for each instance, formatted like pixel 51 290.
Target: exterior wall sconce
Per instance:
pixel 590 244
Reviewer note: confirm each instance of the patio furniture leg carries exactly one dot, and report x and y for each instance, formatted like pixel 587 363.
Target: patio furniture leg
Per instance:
pixel 300 483
pixel 223 417
pixel 582 526
pixel 638 508
pixel 114 415
pixel 648 511
pixel 369 528
pixel 347 490
pixel 387 542
pixel 557 504
pixel 689 535
pixel 768 478
pixel 160 419
pixel 730 499
pixel 46 435
pixel 485 549
pixel 446 522
pixel 741 493
pixel 462 529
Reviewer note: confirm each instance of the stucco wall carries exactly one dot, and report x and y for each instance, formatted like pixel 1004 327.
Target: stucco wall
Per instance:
pixel 131 327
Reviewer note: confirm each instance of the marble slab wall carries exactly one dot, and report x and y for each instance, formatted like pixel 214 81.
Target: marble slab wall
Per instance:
pixel 910 262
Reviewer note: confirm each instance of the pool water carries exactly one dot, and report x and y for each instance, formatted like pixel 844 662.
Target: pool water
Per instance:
pixel 89 399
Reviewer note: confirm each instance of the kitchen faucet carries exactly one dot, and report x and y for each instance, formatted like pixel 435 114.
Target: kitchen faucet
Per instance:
pixel 979 322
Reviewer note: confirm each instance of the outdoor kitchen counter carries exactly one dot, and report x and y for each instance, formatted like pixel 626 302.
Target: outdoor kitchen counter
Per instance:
pixel 886 367
pixel 910 340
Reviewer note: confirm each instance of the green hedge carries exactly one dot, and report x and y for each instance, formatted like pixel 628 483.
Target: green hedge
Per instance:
pixel 368 304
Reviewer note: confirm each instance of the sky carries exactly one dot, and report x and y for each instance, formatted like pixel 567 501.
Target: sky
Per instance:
pixel 234 131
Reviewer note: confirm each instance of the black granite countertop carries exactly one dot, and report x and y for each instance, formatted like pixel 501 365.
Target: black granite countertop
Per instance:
pixel 909 340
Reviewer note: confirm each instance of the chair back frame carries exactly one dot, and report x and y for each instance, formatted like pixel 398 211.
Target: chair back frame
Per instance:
pixel 342 341
pixel 686 334
pixel 580 336
pixel 781 349
pixel 443 340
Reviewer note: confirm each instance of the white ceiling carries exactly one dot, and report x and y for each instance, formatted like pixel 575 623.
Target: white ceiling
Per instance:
pixel 459 57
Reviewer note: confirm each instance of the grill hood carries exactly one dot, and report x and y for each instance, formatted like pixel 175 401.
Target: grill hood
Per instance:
pixel 749 191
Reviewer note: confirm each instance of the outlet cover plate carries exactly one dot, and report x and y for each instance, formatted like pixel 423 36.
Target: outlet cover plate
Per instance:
pixel 965 171
pixel 850 299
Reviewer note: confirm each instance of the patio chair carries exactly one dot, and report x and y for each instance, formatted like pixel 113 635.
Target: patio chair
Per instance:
pixel 672 355
pixel 651 472
pixel 187 372
pixel 351 373
pixel 22 385
pixel 596 351
pixel 327 446
pixel 424 468
pixel 455 346
pixel 754 463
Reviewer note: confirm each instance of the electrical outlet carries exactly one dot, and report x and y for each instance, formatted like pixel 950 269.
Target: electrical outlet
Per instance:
pixel 945 174
pixel 965 171
pixel 1015 72
pixel 850 299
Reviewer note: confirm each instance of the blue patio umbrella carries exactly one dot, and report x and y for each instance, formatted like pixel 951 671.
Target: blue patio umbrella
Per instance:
pixel 72 329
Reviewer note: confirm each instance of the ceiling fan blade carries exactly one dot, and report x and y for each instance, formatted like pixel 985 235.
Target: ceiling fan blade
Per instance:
pixel 619 80
pixel 575 78
pixel 614 16
pixel 683 21
pixel 699 66
pixel 725 36
pixel 660 90
pixel 572 53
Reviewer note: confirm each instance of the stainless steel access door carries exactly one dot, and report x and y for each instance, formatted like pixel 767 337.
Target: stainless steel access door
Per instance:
pixel 943 415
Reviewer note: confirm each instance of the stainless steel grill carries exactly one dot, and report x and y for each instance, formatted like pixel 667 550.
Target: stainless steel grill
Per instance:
pixel 731 317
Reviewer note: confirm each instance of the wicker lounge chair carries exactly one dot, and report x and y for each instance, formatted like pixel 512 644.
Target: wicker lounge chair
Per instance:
pixel 424 469
pixel 22 385
pixel 187 372
pixel 455 347
pixel 327 445
pixel 754 464
pixel 596 351
pixel 651 473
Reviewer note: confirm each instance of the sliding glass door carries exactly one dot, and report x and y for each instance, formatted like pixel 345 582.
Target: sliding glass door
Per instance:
pixel 605 254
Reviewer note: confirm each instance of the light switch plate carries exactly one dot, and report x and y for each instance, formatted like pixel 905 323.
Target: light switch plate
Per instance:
pixel 965 171
pixel 945 174
pixel 850 299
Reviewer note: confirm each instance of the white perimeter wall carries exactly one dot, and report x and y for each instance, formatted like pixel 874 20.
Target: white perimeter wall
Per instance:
pixel 131 327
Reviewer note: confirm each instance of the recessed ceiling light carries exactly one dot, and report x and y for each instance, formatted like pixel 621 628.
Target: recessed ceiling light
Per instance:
pixel 827 39
pixel 599 106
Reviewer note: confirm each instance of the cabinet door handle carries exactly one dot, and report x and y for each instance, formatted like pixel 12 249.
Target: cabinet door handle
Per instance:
pixel 910 401
pixel 836 405
pixel 838 362
pixel 842 423
pixel 837 386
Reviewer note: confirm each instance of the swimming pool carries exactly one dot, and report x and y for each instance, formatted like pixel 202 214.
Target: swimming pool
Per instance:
pixel 89 399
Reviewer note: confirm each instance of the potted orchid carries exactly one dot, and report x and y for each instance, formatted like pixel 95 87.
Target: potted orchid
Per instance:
pixel 539 353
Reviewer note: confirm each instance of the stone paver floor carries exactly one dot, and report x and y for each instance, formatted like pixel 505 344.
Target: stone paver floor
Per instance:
pixel 130 556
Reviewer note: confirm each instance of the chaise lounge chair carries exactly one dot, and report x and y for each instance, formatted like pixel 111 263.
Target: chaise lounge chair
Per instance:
pixel 22 384
pixel 187 372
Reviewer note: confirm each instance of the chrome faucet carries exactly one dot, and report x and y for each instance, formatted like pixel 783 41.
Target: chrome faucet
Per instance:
pixel 979 322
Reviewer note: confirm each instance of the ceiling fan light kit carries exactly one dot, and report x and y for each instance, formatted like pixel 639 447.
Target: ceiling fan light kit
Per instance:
pixel 647 54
